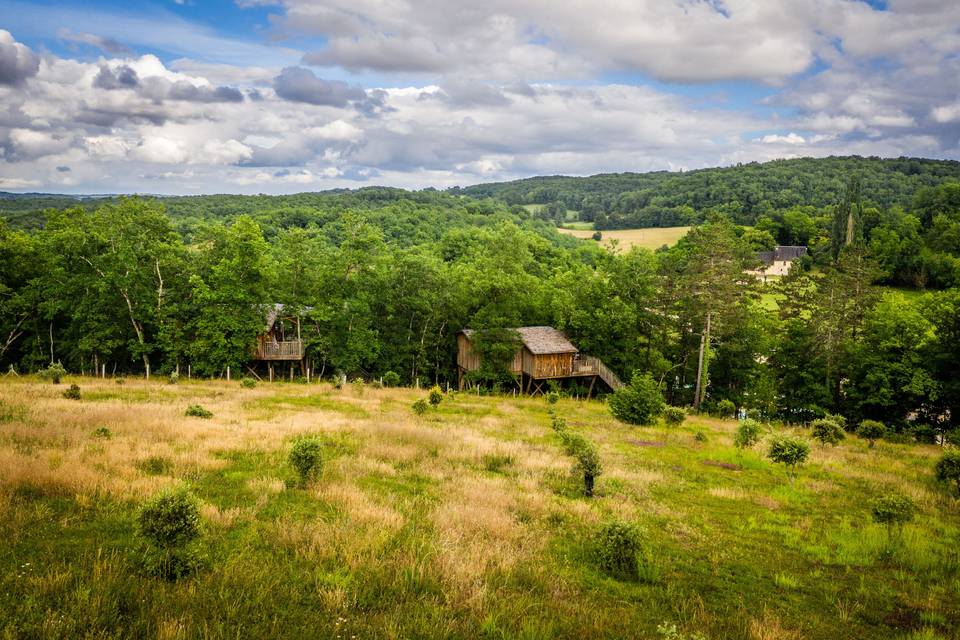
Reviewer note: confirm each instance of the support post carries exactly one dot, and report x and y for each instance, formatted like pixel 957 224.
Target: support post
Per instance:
pixel 228 373
pixel 148 370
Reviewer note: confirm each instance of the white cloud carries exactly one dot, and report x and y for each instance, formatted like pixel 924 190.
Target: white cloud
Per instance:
pixel 790 138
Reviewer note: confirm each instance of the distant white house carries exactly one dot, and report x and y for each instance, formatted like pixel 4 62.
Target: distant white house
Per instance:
pixel 778 262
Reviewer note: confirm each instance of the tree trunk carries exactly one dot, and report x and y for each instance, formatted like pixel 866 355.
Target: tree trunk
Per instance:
pixel 700 388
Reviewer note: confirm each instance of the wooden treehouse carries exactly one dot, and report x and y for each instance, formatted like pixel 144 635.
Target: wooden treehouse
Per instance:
pixel 544 354
pixel 280 340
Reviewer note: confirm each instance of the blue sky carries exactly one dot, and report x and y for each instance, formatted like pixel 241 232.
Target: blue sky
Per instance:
pixel 253 96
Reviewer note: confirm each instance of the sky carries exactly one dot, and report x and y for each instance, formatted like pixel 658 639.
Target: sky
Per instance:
pixel 284 96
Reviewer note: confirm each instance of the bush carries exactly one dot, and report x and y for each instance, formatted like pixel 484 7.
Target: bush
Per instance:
pixel 747 434
pixel 73 393
pixel 700 436
pixel 120 380
pixel 196 411
pixel 726 408
pixel 827 431
pixel 306 457
pixel 674 416
pixel 894 511
pixel 247 382
pixel 572 442
pixel 639 402
pixel 790 452
pixel 376 384
pixel 53 373
pixel 588 465
pixel 170 519
pixel 598 236
pixel 358 386
pixel 839 419
pixel 391 379
pixel 558 423
pixel 420 407
pixel 173 378
pixel 103 433
pixel 948 468
pixel 436 395
pixel 872 430
pixel 552 397
pixel 616 545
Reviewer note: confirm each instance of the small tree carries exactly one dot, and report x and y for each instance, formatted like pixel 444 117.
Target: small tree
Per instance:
pixel 420 407
pixel 173 378
pixel 436 395
pixel 196 411
pixel 726 408
pixel 73 393
pixel 588 465
pixel 552 397
pixel 639 402
pixel 747 434
pixel 871 431
pixel 248 383
pixel 948 468
pixel 558 423
pixel 790 452
pixel 169 522
pixel 674 416
pixel 306 457
pixel 827 431
pixel 391 379
pixel 54 372
pixel 894 511
pixel 616 546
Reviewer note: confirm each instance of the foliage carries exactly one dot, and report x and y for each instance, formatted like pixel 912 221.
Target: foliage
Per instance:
pixel 726 408
pixel 948 468
pixel 170 519
pixel 420 406
pixel 790 452
pixel 552 397
pixel 306 458
pixel 616 546
pixel 197 411
pixel 104 433
pixel 435 396
pixel 358 386
pixel 700 436
pixel 639 402
pixel 827 431
pixel 747 434
pixel 588 465
pixel 872 430
pixel 247 382
pixel 72 393
pixel 894 511
pixel 674 416
pixel 173 378
pixel 558 423
pixel 391 379
pixel 54 372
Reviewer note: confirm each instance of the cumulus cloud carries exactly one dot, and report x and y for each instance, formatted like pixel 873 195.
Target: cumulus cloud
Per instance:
pixel 301 85
pixel 17 61
pixel 122 77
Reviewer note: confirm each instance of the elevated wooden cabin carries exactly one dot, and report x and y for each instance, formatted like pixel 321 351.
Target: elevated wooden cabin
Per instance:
pixel 280 339
pixel 545 354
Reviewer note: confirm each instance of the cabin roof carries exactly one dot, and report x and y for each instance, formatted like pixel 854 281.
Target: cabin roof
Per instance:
pixel 781 253
pixel 274 311
pixel 540 340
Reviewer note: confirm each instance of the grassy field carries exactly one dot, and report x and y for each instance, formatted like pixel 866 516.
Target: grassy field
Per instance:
pixel 652 238
pixel 462 523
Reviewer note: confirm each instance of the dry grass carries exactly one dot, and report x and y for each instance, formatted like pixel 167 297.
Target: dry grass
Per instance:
pixel 650 238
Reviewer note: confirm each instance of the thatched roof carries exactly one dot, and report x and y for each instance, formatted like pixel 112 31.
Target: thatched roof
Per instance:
pixel 540 340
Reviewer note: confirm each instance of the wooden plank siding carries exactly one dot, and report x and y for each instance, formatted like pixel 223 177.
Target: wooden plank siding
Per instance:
pixel 469 360
pixel 548 365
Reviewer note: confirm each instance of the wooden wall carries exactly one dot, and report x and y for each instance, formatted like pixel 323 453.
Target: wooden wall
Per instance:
pixel 468 360
pixel 549 365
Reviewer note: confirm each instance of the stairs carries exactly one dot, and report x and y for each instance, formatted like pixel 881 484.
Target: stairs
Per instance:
pixel 589 365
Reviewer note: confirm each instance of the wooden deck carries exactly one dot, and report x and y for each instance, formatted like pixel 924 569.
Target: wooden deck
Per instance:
pixel 279 350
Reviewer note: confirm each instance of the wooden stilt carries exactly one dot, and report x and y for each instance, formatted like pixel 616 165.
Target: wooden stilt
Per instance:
pixel 593 381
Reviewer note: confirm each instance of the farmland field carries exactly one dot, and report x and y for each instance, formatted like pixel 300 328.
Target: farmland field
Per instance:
pixel 650 238
pixel 463 522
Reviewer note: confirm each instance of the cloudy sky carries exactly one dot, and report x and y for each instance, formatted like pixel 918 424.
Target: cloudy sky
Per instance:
pixel 261 96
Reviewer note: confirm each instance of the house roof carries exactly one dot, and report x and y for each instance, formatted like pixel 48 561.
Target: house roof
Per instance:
pixel 781 253
pixel 274 311
pixel 540 340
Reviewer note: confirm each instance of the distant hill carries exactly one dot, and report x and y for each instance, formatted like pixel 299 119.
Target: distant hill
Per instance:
pixel 745 191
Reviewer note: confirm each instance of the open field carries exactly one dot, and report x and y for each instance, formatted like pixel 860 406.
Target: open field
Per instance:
pixel 651 238
pixel 464 522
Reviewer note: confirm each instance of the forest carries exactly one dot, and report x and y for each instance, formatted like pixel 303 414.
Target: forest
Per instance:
pixel 867 326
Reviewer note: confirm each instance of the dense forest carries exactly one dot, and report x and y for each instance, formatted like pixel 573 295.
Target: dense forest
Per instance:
pixel 384 278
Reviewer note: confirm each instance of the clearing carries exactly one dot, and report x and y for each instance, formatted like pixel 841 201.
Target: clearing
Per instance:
pixel 462 523
pixel 650 238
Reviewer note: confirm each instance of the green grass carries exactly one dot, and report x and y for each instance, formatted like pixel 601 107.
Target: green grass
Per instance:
pixel 462 523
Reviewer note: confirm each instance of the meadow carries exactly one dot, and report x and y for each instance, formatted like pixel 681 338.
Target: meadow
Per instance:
pixel 463 522
pixel 650 238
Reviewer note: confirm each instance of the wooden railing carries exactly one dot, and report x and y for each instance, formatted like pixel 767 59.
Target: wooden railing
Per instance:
pixel 285 350
pixel 589 365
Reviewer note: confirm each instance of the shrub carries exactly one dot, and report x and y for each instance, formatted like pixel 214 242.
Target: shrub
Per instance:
pixel 552 397
pixel 53 373
pixel 170 519
pixel 747 434
pixel 247 382
pixel 894 511
pixel 436 395
pixel 173 378
pixel 376 384
pixel 827 431
pixel 120 380
pixel 700 436
pixel 871 431
pixel 196 411
pixel 726 408
pixel 616 545
pixel 588 465
pixel 790 452
pixel 358 386
pixel 572 442
pixel 391 379
pixel 839 419
pixel 73 393
pixel 639 402
pixel 154 465
pixel 306 457
pixel 948 468
pixel 674 416
pixel 103 433
pixel 558 423
pixel 495 462
pixel 598 236
pixel 420 407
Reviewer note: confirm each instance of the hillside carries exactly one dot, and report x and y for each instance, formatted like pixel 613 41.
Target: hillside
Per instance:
pixel 745 192
pixel 463 523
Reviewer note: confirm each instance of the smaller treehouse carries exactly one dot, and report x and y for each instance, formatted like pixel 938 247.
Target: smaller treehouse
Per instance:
pixel 280 340
pixel 544 354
